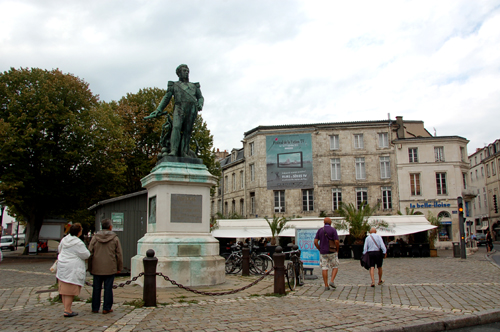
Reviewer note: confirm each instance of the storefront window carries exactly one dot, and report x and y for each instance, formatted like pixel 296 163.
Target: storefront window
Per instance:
pixel 445 233
pixel 445 227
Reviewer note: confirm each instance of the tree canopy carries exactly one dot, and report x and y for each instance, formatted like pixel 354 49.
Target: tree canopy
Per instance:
pixel 58 151
pixel 61 150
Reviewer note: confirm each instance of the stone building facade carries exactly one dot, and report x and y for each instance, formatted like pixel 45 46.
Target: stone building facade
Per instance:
pixel 485 176
pixel 394 164
pixel 432 174
pixel 352 162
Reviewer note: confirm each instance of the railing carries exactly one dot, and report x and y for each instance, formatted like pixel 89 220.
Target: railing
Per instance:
pixel 150 263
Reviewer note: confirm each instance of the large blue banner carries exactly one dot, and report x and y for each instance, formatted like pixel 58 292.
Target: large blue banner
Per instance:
pixel 289 162
pixel 304 238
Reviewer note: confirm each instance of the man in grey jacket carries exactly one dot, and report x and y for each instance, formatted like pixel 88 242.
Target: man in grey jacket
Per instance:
pixel 106 261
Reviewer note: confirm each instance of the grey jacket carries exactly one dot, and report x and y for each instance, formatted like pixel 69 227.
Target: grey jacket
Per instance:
pixel 106 253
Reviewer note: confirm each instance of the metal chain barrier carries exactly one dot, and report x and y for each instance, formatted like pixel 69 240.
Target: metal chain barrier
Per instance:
pixel 123 284
pixel 173 282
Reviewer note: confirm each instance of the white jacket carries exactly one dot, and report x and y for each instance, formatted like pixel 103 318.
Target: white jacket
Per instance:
pixel 71 260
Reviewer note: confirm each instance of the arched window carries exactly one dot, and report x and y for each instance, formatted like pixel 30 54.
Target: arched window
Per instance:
pixel 444 215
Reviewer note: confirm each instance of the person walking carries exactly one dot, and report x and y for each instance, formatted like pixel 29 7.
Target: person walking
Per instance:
pixel 106 261
pixel 71 267
pixel 489 241
pixel 328 257
pixel 374 246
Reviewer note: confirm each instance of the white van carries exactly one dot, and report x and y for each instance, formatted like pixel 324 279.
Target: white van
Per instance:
pixel 8 242
pixel 21 239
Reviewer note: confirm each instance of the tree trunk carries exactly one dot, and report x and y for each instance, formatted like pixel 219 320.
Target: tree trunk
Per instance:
pixel 33 226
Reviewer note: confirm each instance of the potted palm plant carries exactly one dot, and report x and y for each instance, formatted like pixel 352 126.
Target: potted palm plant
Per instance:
pixel 277 226
pixel 356 221
pixel 433 233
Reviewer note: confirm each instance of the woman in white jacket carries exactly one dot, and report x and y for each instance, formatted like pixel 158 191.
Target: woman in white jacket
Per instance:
pixel 71 267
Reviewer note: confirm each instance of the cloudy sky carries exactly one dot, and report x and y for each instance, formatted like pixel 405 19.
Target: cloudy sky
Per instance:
pixel 278 62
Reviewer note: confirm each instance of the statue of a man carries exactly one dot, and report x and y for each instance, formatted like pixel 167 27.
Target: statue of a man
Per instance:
pixel 188 102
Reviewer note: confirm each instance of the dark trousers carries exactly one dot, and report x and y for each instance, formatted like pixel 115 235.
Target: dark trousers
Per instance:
pixel 108 292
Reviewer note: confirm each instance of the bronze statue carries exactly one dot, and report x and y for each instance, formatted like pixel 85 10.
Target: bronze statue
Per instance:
pixel 188 101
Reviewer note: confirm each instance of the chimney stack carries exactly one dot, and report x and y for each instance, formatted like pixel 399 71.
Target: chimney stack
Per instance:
pixel 401 127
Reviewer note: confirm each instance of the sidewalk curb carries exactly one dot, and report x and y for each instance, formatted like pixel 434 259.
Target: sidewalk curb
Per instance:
pixel 488 257
pixel 31 257
pixel 450 323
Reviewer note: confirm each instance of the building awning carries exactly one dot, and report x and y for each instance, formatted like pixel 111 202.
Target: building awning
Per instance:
pixel 482 228
pixel 256 228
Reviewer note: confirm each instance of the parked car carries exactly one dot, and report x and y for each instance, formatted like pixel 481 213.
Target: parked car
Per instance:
pixel 8 242
pixel 21 239
pixel 480 239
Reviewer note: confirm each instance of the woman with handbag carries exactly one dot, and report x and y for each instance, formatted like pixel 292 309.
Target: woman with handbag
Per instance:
pixel 375 247
pixel 71 267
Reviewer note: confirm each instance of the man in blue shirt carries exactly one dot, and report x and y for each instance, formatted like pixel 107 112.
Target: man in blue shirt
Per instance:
pixel 328 257
pixel 374 246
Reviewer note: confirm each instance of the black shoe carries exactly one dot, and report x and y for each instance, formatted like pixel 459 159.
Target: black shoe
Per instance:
pixel 70 314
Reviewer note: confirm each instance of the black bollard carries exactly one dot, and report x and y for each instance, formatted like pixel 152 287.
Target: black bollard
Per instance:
pixel 149 289
pixel 245 263
pixel 279 271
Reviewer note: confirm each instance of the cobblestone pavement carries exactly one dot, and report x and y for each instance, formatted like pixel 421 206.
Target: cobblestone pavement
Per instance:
pixel 428 294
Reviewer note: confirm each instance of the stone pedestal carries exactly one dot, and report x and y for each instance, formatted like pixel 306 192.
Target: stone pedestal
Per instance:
pixel 179 224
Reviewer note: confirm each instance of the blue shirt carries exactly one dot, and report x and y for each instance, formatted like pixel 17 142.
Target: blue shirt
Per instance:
pixel 331 234
pixel 370 243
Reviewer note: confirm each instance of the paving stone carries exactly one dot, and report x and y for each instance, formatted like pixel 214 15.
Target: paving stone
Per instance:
pixel 418 293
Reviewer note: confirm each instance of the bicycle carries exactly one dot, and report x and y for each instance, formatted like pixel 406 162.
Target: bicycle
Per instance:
pixel 259 263
pixel 294 269
pixel 263 261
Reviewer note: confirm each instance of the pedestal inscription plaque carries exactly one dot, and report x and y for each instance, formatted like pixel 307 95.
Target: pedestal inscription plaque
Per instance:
pixel 185 208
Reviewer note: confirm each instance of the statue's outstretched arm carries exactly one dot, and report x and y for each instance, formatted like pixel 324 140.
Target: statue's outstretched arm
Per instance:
pixel 164 102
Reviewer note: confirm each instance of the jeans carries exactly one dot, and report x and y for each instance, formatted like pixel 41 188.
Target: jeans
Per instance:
pixel 108 292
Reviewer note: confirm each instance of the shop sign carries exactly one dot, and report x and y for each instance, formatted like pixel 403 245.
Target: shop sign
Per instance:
pixel 428 205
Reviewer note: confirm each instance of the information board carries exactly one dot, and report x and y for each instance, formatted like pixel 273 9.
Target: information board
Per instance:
pixel 117 218
pixel 304 238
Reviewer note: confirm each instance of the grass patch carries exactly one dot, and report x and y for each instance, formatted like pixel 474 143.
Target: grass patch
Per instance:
pixel 165 303
pixel 189 302
pixel 89 300
pixel 254 295
pixel 274 294
pixel 58 299
pixel 55 299
pixel 135 303
pixel 54 286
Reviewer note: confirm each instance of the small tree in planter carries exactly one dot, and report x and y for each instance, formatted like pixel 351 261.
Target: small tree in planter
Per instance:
pixel 356 221
pixel 433 233
pixel 277 226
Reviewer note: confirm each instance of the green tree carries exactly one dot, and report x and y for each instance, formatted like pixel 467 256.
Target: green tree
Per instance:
pixel 433 233
pixel 141 156
pixel 202 141
pixel 356 220
pixel 58 151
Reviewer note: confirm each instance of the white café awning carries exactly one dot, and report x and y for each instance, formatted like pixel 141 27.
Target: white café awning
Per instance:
pixel 256 228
